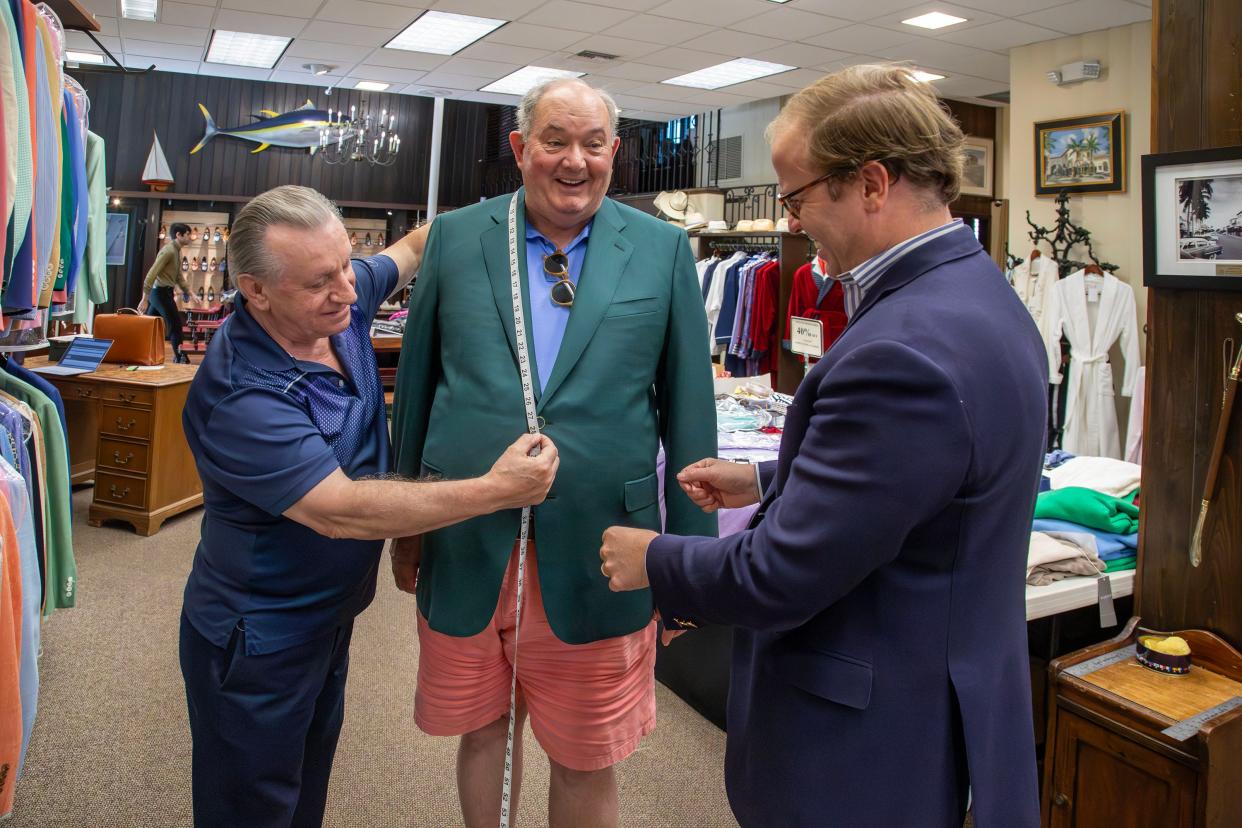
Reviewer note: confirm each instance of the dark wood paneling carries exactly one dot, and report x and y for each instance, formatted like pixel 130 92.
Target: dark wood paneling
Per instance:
pixel 1197 80
pixel 975 119
pixel 126 109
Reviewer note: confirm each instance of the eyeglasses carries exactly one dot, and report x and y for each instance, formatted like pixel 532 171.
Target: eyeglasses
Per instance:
pixel 556 266
pixel 792 206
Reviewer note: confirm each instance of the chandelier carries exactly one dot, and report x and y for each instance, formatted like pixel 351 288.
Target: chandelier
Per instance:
pixel 359 138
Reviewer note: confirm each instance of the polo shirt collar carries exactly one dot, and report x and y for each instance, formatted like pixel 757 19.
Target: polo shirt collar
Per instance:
pixel 533 235
pixel 258 347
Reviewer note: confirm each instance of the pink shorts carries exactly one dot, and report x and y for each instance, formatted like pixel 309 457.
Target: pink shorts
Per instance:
pixel 589 704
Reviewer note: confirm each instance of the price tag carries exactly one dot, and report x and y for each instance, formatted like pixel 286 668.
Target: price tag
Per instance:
pixel 806 337
pixel 1104 595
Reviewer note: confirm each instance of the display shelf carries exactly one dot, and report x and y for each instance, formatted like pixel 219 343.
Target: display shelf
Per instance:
pixel 1073 593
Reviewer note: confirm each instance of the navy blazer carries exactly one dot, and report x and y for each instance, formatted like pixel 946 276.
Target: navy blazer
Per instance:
pixel 880 657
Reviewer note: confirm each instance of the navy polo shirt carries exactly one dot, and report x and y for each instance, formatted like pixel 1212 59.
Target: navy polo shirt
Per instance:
pixel 265 429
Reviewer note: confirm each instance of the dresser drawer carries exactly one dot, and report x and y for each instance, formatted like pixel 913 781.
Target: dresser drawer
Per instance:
pixel 124 421
pixel 72 391
pixel 127 395
pixel 123 491
pixel 134 458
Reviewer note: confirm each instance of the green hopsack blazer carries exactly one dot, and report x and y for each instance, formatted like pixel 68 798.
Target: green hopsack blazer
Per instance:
pixel 633 371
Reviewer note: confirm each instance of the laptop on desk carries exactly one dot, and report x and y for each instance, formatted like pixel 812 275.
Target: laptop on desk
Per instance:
pixel 81 357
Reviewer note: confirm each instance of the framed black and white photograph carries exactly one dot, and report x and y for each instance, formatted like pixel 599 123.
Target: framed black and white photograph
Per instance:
pixel 977 169
pixel 1192 219
pixel 117 238
pixel 1084 154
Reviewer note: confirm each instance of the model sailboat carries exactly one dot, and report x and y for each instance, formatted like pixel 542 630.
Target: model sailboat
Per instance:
pixel 157 173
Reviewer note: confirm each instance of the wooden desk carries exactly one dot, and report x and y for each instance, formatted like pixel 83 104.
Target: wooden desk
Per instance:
pixel 125 434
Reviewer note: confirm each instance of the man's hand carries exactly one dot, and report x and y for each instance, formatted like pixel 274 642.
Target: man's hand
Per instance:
pixel 524 473
pixel 624 556
pixel 406 554
pixel 718 484
pixel 142 305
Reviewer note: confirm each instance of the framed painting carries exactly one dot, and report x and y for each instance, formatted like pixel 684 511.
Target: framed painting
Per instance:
pixel 977 169
pixel 1086 154
pixel 1192 219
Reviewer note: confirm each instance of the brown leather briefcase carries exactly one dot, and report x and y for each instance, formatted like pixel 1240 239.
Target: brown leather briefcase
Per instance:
pixel 136 339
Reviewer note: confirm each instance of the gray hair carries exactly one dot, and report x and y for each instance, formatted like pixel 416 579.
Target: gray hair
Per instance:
pixel 289 205
pixel 526 109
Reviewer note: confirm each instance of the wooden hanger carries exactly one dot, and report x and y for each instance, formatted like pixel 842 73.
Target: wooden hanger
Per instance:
pixel 1034 254
pixel 1093 270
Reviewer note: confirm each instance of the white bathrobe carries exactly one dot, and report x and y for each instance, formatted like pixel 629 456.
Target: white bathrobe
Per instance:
pixel 1092 328
pixel 1034 282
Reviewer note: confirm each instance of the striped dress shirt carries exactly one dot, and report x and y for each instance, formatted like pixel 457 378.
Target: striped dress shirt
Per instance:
pixel 858 280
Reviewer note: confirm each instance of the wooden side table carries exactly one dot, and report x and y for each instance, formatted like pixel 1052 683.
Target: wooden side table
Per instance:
pixel 1131 746
pixel 125 434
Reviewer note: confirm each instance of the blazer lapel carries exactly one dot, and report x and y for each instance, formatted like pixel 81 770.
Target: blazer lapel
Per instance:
pixel 608 252
pixel 495 241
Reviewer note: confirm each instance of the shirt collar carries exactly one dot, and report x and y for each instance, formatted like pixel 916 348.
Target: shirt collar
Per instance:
pixel 866 273
pixel 533 235
pixel 260 349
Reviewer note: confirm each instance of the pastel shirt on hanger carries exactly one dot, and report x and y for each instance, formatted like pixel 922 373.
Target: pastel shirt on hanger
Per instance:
pixel 547 320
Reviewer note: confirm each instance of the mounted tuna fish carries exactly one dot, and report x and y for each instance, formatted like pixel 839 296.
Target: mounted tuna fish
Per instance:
pixel 303 128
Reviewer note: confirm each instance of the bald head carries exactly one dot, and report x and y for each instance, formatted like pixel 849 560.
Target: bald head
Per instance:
pixel 568 90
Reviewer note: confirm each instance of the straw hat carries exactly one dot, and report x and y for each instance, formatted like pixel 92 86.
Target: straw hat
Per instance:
pixel 673 204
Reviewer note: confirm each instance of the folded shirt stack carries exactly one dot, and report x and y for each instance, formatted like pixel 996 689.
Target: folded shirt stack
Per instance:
pixel 1055 555
pixel 1095 496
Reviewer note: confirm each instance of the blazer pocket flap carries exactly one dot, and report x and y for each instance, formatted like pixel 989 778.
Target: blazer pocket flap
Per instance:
pixel 833 677
pixel 427 469
pixel 630 307
pixel 641 493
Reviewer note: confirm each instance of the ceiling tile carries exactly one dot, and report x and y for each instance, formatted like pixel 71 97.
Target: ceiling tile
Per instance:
pixel 860 39
pixel 716 12
pixel 926 53
pixel 478 68
pixel 108 26
pixel 363 13
pixel 732 44
pixel 707 97
pixel 664 92
pixel 508 10
pixel 159 32
pixel 285 8
pixel 305 49
pixel 240 21
pixel 1089 15
pixel 1002 35
pixel 622 47
pixel 577 16
pixel 615 86
pixel 369 71
pixel 790 23
pixel 186 14
pixel 639 72
pixel 632 5
pixel 631 102
pixel 162 50
pixel 856 9
pixel 654 29
pixel 452 81
pixel 185 67
pixel 224 70
pixel 967 87
pixel 302 77
pixel 796 79
pixel 108 8
pixel 756 90
pixel 1012 8
pixel 535 37
pixel 401 59
pixel 78 41
pixel 683 59
pixel 343 33
pixel 503 52
pixel 798 54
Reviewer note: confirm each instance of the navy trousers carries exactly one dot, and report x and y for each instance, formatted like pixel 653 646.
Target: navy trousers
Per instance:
pixel 161 302
pixel 264 728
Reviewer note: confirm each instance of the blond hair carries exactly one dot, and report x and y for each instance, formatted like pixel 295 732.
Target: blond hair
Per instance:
pixel 288 205
pixel 878 113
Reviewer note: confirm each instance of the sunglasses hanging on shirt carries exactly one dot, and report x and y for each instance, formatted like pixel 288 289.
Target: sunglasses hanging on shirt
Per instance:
pixel 556 268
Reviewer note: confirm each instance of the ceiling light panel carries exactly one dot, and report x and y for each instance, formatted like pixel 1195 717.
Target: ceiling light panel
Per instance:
pixel 521 81
pixel 83 57
pixel 934 20
pixel 925 77
pixel 372 86
pixel 729 73
pixel 246 49
pixel 443 33
pixel 138 9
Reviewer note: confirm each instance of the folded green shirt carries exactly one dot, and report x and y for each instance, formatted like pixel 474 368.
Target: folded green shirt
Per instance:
pixel 1088 508
pixel 1128 562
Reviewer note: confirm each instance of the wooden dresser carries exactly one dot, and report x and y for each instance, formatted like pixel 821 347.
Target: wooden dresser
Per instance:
pixel 125 434
pixel 1129 746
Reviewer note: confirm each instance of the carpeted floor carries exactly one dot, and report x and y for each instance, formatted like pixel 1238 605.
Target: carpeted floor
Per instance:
pixel 111 745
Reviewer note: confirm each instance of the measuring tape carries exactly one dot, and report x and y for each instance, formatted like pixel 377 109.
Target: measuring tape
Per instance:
pixel 532 426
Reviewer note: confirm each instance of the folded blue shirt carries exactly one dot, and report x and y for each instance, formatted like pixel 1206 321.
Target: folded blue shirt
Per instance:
pixel 1110 545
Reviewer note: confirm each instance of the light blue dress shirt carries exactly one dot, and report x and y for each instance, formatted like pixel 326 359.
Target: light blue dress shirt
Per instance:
pixel 547 320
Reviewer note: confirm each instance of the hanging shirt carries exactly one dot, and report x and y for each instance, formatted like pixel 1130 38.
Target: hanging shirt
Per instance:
pixel 545 319
pixel 13 492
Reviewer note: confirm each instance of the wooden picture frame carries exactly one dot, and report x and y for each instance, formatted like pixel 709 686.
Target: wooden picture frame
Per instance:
pixel 1192 219
pixel 977 170
pixel 1081 155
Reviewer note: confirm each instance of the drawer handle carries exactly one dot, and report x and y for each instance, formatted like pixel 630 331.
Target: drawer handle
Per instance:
pixel 121 495
pixel 116 458
pixel 129 398
pixel 1060 800
pixel 120 427
pixel 85 392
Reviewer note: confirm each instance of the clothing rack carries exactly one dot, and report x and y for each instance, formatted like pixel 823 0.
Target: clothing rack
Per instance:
pixel 1063 236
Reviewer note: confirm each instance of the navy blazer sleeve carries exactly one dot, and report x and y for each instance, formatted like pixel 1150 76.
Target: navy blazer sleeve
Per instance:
pixel 886 449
